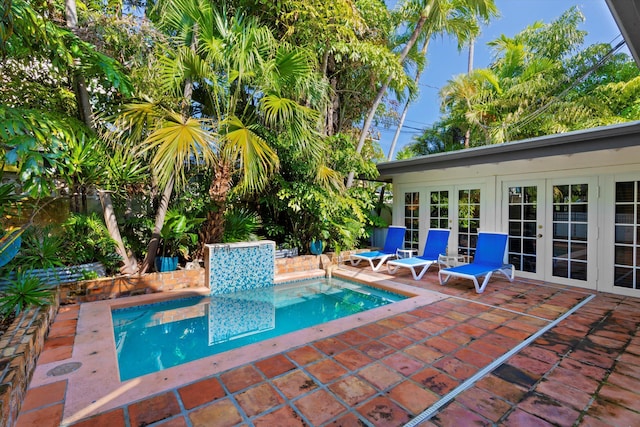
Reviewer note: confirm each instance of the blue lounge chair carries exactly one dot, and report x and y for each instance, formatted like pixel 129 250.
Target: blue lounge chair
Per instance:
pixel 393 242
pixel 489 258
pixel 436 244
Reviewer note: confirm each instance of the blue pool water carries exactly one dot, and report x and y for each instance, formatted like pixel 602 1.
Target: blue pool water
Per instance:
pixel 153 337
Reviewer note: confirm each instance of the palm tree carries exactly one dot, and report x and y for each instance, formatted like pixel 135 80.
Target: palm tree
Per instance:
pixel 248 89
pixel 429 18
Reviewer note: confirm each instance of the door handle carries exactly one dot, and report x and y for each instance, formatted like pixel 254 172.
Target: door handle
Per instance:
pixel 539 236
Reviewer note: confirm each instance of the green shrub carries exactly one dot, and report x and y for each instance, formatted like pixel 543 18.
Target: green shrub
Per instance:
pixel 23 292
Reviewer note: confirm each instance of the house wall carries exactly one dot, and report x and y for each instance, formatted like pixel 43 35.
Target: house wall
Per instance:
pixel 599 169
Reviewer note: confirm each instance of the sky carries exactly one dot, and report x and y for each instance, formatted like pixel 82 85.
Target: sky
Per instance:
pixel 445 61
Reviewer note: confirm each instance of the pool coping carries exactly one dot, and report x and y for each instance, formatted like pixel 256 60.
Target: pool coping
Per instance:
pixel 94 348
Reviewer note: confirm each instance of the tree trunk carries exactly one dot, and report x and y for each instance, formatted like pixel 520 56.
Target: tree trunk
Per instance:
pixel 152 247
pixel 467 134
pixel 403 116
pixel 212 230
pixel 130 263
pixel 383 89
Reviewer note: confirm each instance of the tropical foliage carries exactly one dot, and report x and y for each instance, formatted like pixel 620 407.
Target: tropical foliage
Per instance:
pixel 540 82
pixel 199 122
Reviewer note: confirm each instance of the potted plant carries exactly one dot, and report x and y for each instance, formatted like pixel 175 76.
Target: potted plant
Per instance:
pixel 176 238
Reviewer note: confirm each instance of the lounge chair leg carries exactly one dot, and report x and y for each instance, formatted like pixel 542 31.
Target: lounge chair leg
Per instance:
pixel 484 283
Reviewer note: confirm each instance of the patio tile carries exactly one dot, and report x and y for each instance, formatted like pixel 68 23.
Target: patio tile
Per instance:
pixel 598 358
pixel 259 399
pixel 113 418
pixel 241 378
pixel 403 364
pixel 549 410
pixel 63 328
pixel 55 354
pixel 374 330
pixel 353 359
pixel 623 381
pixel 304 355
pixel 348 420
pixel 613 415
pixel 319 407
pixel 397 341
pixel 490 350
pixel 455 415
pixel 520 418
pixel 376 349
pixel 564 393
pixel 483 403
pixel 383 412
pixel 619 396
pixel 472 331
pixel 295 384
pixel 541 354
pixel 354 337
pixel 628 369
pixel 508 391
pixel 330 346
pixel 586 369
pixel 444 322
pixel 457 337
pixel 154 409
pixel 424 353
pixel 514 375
pixel 483 324
pixel 442 345
pixel 173 422
pixel 456 368
pixel 352 390
pixel 473 358
pixel 201 392
pixel 67 312
pixel 44 395
pixel 326 371
pixel 44 417
pixel 436 381
pixel 274 366
pixel 396 322
pixel 223 411
pixel 513 333
pixel 283 417
pixel 534 367
pixel 414 334
pixel 412 397
pixel 380 376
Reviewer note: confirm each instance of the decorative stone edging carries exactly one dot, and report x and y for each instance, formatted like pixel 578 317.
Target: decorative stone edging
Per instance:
pixel 20 347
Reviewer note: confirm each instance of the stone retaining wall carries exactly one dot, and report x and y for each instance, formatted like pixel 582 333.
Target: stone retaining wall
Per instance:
pixel 20 348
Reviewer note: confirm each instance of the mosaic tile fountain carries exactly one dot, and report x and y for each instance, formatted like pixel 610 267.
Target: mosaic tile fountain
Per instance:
pixel 239 266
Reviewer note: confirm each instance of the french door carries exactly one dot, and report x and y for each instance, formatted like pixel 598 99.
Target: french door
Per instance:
pixel 524 211
pixel 459 209
pixel 552 229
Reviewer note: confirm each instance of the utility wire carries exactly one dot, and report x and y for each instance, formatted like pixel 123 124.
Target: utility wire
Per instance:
pixel 529 118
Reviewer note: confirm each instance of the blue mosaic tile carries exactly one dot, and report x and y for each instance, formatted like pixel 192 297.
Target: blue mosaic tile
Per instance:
pixel 240 315
pixel 241 266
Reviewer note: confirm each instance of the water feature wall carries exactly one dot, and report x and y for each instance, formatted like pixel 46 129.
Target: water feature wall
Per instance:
pixel 232 267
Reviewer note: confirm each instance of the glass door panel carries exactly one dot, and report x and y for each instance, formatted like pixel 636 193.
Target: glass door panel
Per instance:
pixel 468 220
pixel 627 235
pixel 523 224
pixel 439 209
pixel 412 220
pixel 570 218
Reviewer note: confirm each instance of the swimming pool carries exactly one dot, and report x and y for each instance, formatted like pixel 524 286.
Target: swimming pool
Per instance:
pixel 153 337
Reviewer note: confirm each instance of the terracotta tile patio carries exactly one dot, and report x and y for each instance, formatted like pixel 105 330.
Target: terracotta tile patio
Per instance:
pixel 441 357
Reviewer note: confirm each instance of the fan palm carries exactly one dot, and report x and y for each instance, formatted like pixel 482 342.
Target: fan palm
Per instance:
pixel 248 89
